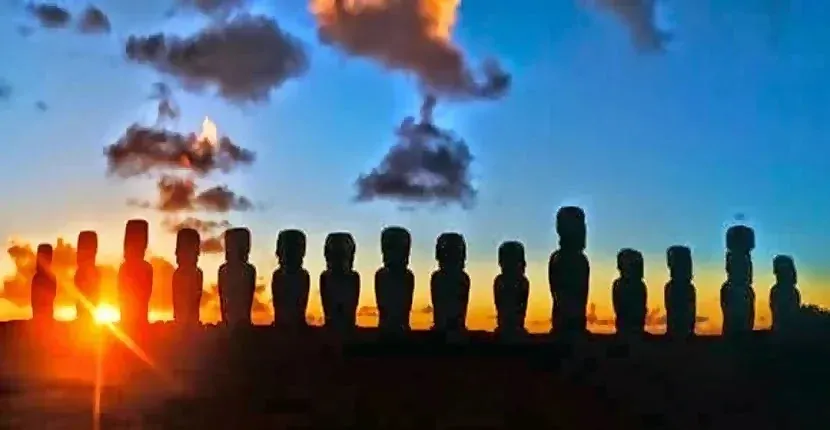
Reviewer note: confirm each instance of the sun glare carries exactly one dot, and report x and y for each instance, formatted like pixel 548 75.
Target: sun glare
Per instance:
pixel 107 314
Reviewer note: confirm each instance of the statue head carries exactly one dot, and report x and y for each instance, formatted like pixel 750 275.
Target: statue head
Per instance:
pixel 87 248
pixel 135 239
pixel 740 239
pixel 512 257
pixel 339 251
pixel 291 248
pixel 237 244
pixel 679 260
pixel 188 247
pixel 44 256
pixel 451 251
pixel 630 264
pixel 396 246
pixel 739 267
pixel 783 266
pixel 570 226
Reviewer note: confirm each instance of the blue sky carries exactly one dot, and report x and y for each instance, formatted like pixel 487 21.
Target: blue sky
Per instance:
pixel 659 149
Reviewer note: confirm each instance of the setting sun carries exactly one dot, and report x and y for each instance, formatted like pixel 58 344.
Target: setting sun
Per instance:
pixel 107 314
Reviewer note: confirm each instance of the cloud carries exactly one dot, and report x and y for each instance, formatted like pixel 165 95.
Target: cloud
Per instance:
pixel 427 165
pixel 639 16
pixel 180 195
pixel 41 106
pixel 244 58
pixel 409 35
pixel 216 8
pixel 5 90
pixel 50 15
pixel 93 20
pixel 142 150
pixel 210 230
pixel 167 109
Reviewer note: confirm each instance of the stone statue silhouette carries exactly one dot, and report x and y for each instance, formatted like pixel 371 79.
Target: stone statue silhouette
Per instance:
pixel 290 283
pixel 737 297
pixel 679 294
pixel 450 285
pixel 44 285
pixel 394 282
pixel 188 278
pixel 237 279
pixel 135 276
pixel 569 273
pixel 87 276
pixel 340 283
pixel 784 297
pixel 511 290
pixel 629 293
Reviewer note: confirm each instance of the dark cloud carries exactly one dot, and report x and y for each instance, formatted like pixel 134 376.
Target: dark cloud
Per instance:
pixel 94 20
pixel 217 8
pixel 210 230
pixel 639 16
pixel 180 195
pixel 41 106
pixel 25 30
pixel 409 35
pixel 167 109
pixel 50 15
pixel 5 90
pixel 427 165
pixel 244 58
pixel 141 150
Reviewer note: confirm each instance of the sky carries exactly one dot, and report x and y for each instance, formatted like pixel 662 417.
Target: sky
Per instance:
pixel 666 124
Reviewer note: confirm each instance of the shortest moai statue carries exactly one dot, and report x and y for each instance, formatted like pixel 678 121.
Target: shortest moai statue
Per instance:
pixel 290 283
pixel 737 297
pixel 135 276
pixel 450 285
pixel 629 293
pixel 340 283
pixel 784 297
pixel 44 285
pixel 680 296
pixel 394 282
pixel 569 273
pixel 188 279
pixel 511 289
pixel 87 276
pixel 237 279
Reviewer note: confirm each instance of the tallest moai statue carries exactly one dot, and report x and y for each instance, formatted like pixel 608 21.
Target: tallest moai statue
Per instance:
pixel 290 283
pixel 135 276
pixel 569 273
pixel 188 278
pixel 340 283
pixel 237 279
pixel 394 282
pixel 87 276
pixel 737 297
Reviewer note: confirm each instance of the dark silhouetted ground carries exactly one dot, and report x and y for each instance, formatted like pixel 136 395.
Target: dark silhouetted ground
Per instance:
pixel 265 379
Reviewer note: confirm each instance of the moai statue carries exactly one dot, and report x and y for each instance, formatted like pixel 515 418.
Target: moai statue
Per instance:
pixel 511 289
pixel 737 297
pixel 44 285
pixel 450 285
pixel 629 293
pixel 784 297
pixel 679 295
pixel 87 276
pixel 135 276
pixel 340 283
pixel 188 278
pixel 290 283
pixel 237 279
pixel 394 282
pixel 569 272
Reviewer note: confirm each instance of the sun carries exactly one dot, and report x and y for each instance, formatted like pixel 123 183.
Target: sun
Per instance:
pixel 106 314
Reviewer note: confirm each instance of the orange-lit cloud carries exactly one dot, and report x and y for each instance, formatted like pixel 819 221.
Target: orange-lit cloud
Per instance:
pixel 408 35
pixel 180 195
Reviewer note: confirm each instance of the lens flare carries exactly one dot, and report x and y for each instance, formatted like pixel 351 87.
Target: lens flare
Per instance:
pixel 107 314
